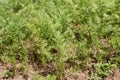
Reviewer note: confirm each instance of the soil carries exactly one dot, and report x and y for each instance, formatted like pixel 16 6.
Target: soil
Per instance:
pixel 33 69
pixel 114 76
pixel 78 76
pixel 19 76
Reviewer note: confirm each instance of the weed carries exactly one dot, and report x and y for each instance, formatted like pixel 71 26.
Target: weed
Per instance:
pixel 61 31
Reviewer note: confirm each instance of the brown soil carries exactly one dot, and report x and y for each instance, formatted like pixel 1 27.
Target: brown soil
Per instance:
pixel 114 76
pixel 19 75
pixel 33 69
pixel 78 76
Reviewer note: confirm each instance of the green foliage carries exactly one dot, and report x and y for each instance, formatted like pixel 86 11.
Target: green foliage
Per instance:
pixel 6 74
pixel 101 70
pixel 39 77
pixel 60 31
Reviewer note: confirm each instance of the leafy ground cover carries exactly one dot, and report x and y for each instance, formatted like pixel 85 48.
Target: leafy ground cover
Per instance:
pixel 59 39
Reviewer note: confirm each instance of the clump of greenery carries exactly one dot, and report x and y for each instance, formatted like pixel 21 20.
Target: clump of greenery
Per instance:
pixel 49 77
pixel 60 31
